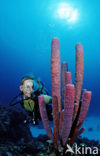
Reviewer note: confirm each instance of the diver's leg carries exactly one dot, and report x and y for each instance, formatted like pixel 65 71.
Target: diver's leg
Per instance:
pixel 35 120
pixel 28 118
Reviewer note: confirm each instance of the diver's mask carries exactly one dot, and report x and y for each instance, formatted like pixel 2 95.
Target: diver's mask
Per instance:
pixel 29 87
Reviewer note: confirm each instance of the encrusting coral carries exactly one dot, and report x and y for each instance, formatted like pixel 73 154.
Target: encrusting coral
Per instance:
pixel 69 119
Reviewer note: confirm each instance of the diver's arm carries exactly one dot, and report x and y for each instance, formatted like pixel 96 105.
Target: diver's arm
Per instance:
pixel 47 99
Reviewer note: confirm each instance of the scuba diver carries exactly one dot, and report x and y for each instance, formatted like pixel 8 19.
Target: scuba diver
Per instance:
pixel 28 98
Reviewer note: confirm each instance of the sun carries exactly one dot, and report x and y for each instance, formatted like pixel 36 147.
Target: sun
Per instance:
pixel 65 11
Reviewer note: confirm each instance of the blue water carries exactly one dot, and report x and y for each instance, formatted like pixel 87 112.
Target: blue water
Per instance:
pixel 26 31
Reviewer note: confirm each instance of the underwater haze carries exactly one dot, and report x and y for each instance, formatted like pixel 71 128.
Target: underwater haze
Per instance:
pixel 26 30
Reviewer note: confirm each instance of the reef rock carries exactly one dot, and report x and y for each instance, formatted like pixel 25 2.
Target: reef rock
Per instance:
pixel 15 136
pixel 12 127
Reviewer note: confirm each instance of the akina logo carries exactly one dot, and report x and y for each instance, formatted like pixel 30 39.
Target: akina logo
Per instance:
pixel 82 150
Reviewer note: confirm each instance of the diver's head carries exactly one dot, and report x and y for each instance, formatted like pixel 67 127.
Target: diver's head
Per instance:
pixel 29 86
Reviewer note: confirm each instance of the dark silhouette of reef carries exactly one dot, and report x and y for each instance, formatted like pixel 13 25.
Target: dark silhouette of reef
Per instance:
pixel 16 139
pixel 12 127
pixel 15 136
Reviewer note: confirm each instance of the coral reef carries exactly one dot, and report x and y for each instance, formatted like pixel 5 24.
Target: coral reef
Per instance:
pixel 15 136
pixel 69 119
pixel 20 143
pixel 68 115
pixel 12 125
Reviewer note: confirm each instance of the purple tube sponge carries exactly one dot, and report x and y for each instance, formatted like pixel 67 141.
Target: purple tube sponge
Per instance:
pixel 55 70
pixel 68 112
pixel 44 116
pixel 86 97
pixel 79 71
